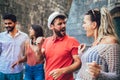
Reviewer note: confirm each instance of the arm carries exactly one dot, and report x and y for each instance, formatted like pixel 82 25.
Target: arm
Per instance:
pixel 96 72
pixel 24 58
pixel 58 72
pixel 76 65
pixel 81 49
pixel 19 61
pixel 108 76
pixel 112 57
pixel 113 62
pixel 38 51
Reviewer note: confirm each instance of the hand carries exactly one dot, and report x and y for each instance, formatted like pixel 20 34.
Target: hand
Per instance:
pixel 81 48
pixel 40 40
pixel 56 73
pixel 14 64
pixel 94 69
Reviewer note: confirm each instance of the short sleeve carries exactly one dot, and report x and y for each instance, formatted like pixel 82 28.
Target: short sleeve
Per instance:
pixel 75 45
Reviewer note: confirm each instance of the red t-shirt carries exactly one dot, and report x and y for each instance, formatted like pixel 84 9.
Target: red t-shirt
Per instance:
pixel 58 54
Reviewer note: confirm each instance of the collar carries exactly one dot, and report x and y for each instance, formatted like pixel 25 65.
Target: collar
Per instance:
pixel 54 38
pixel 18 32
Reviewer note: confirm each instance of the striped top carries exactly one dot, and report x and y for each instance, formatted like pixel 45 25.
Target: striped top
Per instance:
pixel 106 55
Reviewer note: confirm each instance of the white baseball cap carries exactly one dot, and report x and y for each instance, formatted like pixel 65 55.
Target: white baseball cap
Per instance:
pixel 53 16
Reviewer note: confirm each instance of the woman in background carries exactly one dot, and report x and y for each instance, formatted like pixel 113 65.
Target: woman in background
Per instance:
pixel 33 56
pixel 102 60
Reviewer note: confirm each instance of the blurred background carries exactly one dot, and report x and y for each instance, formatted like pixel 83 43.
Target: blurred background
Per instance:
pixel 37 12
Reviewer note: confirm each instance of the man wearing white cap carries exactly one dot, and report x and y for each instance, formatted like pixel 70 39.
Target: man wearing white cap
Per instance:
pixel 60 50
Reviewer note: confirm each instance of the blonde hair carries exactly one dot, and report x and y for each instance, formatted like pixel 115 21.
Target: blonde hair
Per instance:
pixel 106 27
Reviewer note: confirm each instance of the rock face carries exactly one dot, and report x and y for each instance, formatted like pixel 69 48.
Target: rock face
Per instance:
pixel 33 11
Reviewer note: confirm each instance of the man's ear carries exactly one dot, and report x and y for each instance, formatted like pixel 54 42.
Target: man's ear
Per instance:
pixel 16 22
pixel 51 26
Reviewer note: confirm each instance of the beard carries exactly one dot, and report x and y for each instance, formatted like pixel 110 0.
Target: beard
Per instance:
pixel 10 28
pixel 61 32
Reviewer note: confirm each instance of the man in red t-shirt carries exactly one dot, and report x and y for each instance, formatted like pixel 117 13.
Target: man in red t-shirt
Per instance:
pixel 60 50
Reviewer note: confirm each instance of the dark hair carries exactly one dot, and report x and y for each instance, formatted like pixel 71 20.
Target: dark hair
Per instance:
pixel 10 16
pixel 95 16
pixel 60 16
pixel 38 30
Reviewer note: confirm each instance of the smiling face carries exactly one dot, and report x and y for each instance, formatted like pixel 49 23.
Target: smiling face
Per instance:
pixel 88 26
pixel 59 27
pixel 9 25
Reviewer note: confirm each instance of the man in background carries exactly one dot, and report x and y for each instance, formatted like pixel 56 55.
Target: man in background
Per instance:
pixel 12 48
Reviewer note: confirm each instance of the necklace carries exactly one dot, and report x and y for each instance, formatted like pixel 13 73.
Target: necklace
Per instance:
pixel 33 43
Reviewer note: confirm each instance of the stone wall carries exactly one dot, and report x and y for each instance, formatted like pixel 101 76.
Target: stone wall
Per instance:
pixel 37 11
pixel 33 11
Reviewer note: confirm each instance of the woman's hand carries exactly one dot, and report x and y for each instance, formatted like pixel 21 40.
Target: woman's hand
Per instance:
pixel 94 69
pixel 81 48
pixel 39 41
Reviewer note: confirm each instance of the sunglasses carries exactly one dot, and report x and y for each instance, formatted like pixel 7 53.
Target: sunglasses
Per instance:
pixel 93 13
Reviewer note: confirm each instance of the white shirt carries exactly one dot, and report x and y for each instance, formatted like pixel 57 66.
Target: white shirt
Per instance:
pixel 11 50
